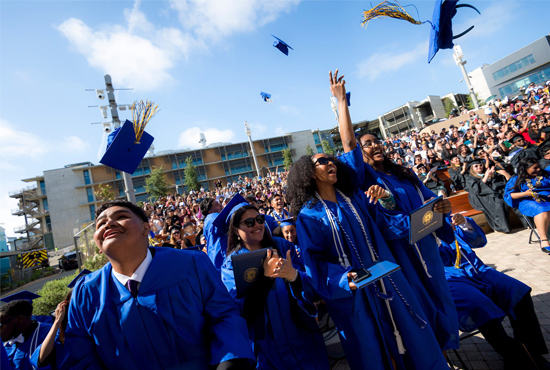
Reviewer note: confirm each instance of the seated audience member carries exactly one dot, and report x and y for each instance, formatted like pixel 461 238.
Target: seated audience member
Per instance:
pixel 21 332
pixel 150 308
pixel 521 150
pixel 484 296
pixel 485 193
pixel 529 192
pixel 434 159
pixel 449 152
pixel 464 153
pixel 430 179
pixel 280 322
pixel 456 173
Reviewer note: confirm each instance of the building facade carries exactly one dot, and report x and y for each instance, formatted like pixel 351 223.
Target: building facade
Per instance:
pixel 53 217
pixel 506 76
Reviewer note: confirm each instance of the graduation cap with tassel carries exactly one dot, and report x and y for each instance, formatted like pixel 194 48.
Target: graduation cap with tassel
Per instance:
pixel 128 144
pixel 266 97
pixel 442 29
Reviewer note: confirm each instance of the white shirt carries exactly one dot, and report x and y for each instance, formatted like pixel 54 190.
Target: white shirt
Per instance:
pixel 139 273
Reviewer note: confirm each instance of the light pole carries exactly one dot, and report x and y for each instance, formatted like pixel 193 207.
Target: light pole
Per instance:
pixel 249 134
pixel 458 55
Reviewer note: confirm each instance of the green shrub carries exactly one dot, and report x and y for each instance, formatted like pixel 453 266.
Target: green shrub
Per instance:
pixel 52 293
pixel 36 275
pixel 96 262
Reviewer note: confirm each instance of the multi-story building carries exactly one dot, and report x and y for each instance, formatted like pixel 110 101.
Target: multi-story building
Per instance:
pixel 70 201
pixel 506 76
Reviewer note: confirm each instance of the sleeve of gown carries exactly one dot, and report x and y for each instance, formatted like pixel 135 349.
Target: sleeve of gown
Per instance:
pixel 327 279
pixel 508 190
pixel 34 359
pixel 79 350
pixel 364 174
pixel 228 332
pixel 228 279
pixel 392 224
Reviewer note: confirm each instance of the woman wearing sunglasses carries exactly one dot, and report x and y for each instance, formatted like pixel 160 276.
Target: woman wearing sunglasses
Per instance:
pixel 280 322
pixel 420 262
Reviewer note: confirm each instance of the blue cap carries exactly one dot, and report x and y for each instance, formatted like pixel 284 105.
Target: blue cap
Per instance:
pixel 348 98
pixel 25 295
pixel 266 97
pixel 281 45
pixel 441 36
pixel 224 217
pixel 124 153
pixel 287 222
pixel 78 277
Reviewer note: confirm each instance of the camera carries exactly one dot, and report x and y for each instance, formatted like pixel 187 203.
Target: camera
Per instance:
pixel 107 127
pixel 100 94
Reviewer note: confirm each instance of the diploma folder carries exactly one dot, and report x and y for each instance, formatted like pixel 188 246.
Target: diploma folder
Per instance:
pixel 248 268
pixel 424 221
pixel 379 270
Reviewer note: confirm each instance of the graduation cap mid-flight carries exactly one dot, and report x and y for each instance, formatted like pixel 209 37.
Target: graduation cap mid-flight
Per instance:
pixel 442 29
pixel 266 97
pixel 281 45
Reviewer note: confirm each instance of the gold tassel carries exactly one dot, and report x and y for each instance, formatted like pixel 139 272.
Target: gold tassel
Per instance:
pixel 387 9
pixel 142 112
pixel 458 256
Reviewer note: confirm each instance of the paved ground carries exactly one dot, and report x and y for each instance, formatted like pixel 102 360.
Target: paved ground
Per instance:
pixel 513 255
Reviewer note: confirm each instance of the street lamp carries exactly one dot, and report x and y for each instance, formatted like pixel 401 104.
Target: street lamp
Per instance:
pixel 249 134
pixel 458 55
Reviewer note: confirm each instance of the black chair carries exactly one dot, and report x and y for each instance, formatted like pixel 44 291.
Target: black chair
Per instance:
pixel 464 336
pixel 530 222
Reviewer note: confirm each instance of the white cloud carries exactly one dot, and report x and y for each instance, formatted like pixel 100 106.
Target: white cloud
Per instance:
pixel 73 144
pixel 190 137
pixel 379 64
pixel 141 54
pixel 491 22
pixel 19 144
pixel 214 19
pixel 279 131
pixel 290 110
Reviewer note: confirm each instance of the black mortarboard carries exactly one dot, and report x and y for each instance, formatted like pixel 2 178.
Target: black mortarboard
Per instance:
pixel 124 153
pixel 281 45
pixel 348 98
pixel 25 295
pixel 544 147
pixel 516 137
pixel 266 97
pixel 477 150
pixel 222 219
pixel 475 161
pixel 78 277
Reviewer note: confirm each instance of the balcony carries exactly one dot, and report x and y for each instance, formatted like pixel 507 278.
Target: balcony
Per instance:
pixel 19 193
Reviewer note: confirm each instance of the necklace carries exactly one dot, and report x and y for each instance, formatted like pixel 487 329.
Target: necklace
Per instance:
pixel 532 187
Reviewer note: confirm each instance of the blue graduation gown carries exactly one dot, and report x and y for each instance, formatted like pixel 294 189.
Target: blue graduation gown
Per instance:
pixel 528 206
pixel 57 355
pixel 216 241
pixel 19 354
pixel 182 316
pixel 480 292
pixel 286 336
pixel 363 321
pixel 431 292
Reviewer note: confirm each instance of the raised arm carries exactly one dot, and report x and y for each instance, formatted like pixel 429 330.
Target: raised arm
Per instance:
pixel 338 89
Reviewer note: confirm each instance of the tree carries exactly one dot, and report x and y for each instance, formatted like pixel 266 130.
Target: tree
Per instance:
pixel 104 193
pixel 309 151
pixel 449 106
pixel 155 183
pixel 470 103
pixel 287 158
pixel 327 148
pixel 191 176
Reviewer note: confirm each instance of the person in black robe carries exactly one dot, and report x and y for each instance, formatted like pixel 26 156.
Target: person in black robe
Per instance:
pixel 456 173
pixel 521 150
pixel 486 191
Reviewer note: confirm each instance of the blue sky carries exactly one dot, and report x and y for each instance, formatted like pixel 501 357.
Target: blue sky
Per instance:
pixel 205 62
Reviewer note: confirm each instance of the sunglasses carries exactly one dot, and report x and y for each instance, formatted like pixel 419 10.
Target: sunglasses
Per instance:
pixel 323 161
pixel 250 222
pixel 175 232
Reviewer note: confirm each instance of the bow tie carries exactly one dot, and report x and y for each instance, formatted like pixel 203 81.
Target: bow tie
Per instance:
pixel 19 339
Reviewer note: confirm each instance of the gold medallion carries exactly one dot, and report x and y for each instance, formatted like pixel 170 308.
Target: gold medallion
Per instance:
pixel 428 217
pixel 251 275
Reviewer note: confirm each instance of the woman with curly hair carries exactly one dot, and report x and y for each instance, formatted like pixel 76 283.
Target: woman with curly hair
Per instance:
pixel 281 324
pixel 420 261
pixel 529 192
pixel 381 326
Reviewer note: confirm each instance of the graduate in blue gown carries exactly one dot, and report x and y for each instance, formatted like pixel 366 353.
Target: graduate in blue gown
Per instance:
pixel 281 322
pixel 150 308
pixel 382 324
pixel 21 332
pixel 522 193
pixel 484 296
pixel 420 262
pixel 216 240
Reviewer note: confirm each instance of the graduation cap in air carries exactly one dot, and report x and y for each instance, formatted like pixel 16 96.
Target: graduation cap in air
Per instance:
pixel 281 45
pixel 78 277
pixel 224 217
pixel 441 36
pixel 348 98
pixel 266 97
pixel 24 295
pixel 127 146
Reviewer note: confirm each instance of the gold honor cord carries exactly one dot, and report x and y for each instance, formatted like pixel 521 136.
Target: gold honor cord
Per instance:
pixel 142 112
pixel 387 9
pixel 458 255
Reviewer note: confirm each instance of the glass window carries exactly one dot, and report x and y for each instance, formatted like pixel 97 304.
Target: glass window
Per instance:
pixel 48 224
pixel 45 204
pixel 118 176
pixel 90 194
pixel 92 211
pixel 523 62
pixel 43 187
pixel 87 180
